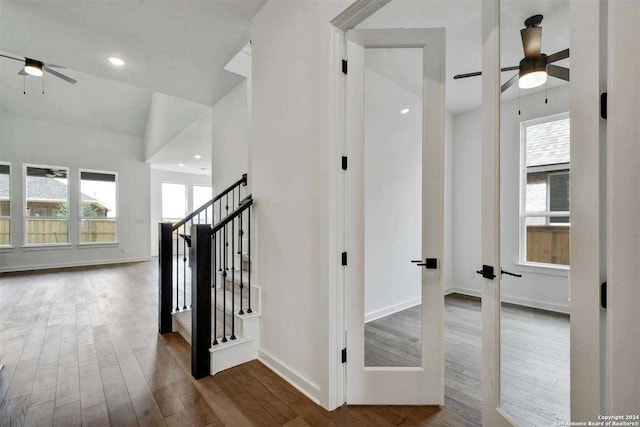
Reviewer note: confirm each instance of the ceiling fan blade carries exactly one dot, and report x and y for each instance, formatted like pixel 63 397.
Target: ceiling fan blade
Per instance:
pixel 563 54
pixel 479 73
pixel 506 85
pixel 22 72
pixel 11 57
pixel 59 75
pixel 531 41
pixel 558 72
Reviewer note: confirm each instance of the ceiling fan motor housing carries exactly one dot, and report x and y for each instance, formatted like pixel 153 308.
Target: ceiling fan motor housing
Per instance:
pixel 531 65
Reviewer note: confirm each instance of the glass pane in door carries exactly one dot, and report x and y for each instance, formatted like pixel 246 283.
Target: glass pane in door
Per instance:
pixel 535 221
pixel 393 212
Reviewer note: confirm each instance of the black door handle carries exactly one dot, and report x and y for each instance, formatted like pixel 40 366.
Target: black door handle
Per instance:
pixel 510 274
pixel 429 263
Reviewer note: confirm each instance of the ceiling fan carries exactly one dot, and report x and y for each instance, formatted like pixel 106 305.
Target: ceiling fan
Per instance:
pixel 33 67
pixel 55 173
pixel 535 66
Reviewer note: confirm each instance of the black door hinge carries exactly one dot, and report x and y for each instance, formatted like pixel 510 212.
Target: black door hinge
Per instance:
pixel 344 258
pixel 603 295
pixel 603 105
pixel 344 355
pixel 487 272
pixel 344 66
pixel 344 163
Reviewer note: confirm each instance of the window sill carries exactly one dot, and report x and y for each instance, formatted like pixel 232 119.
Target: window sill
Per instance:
pixel 548 269
pixel 7 248
pixel 46 247
pixel 98 245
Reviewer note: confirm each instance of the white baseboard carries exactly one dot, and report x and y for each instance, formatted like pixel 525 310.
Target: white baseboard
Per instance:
pixel 526 302
pixel 384 312
pixel 303 385
pixel 463 291
pixel 71 264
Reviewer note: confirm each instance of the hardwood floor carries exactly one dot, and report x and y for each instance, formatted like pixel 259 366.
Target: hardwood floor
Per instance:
pixel 80 347
pixel 534 365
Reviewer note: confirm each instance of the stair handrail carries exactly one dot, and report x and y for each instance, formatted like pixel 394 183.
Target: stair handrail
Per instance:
pixel 243 205
pixel 242 181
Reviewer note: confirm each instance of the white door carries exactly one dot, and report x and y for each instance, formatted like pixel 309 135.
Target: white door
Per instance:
pixel 416 380
pixel 587 380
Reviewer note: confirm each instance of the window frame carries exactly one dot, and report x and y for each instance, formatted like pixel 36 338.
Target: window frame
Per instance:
pixel 523 214
pixel 116 241
pixel 186 200
pixel 9 218
pixel 25 217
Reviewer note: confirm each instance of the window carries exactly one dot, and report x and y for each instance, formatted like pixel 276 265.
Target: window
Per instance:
pixel 98 207
pixel 46 205
pixel 545 191
pixel 174 202
pixel 5 204
pixel 201 195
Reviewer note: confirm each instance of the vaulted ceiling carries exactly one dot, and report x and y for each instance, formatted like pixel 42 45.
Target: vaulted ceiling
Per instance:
pixel 176 48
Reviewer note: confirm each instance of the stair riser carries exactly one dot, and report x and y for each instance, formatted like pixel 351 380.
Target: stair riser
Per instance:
pixel 228 357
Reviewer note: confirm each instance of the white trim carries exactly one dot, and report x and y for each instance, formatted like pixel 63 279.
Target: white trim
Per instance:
pixel 25 217
pixel 387 311
pixel 97 245
pixel 546 269
pixel 72 264
pixel 7 248
pixel 10 217
pixel 46 246
pixel 524 171
pixel 542 305
pixel 302 384
pixel 81 218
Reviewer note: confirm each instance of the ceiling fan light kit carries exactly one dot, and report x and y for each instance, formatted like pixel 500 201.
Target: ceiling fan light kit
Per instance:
pixel 33 67
pixel 533 72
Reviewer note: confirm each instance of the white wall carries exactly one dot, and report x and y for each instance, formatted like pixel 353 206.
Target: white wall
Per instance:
pixel 544 288
pixel 230 138
pixel 393 194
pixel 24 140
pixel 157 178
pixel 291 172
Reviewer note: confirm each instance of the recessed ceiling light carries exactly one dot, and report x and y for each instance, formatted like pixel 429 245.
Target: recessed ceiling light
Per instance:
pixel 198 156
pixel 404 111
pixel 181 164
pixel 114 60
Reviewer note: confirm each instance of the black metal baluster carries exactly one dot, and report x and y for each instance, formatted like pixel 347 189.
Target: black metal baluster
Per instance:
pixel 224 284
pixel 233 279
pixel 177 231
pixel 184 266
pixel 240 233
pixel 249 310
pixel 206 220
pixel 214 328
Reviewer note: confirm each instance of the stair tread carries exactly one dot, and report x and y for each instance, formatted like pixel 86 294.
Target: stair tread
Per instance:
pixel 185 321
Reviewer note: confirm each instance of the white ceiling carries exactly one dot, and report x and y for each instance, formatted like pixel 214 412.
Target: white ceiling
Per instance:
pixel 182 149
pixel 178 48
pixel 94 102
pixel 463 22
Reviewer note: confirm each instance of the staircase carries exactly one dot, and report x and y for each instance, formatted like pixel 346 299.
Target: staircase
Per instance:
pixel 206 291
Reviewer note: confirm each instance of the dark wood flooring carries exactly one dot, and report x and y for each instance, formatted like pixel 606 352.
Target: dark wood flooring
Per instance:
pixel 534 360
pixel 80 348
